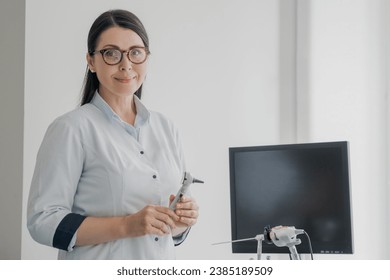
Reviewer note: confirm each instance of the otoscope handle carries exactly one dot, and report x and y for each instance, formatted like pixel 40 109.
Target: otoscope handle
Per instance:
pixel 187 181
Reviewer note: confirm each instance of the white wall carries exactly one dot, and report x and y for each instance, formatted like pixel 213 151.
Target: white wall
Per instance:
pixel 217 101
pixel 344 97
pixel 211 72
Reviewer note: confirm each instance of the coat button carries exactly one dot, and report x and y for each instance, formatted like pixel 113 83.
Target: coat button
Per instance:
pixel 154 176
pixel 141 152
pixel 156 239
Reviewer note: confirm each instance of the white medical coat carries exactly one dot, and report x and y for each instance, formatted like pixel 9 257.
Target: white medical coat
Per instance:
pixel 91 163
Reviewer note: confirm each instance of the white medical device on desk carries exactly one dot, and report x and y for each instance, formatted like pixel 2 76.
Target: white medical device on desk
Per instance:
pixel 280 236
pixel 186 182
pixel 283 236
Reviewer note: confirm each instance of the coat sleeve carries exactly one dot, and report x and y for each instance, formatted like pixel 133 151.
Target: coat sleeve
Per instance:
pixel 58 168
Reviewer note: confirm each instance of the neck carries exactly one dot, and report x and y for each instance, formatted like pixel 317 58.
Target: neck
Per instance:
pixel 124 106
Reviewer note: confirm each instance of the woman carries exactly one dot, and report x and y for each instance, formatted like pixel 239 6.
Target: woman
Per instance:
pixel 106 172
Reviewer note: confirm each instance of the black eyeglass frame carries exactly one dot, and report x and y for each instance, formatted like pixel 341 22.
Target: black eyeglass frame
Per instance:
pixel 102 51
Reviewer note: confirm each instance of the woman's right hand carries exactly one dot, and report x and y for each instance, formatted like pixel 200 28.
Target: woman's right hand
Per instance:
pixel 152 219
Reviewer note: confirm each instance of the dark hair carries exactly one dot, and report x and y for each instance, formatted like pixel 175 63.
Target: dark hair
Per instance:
pixel 121 18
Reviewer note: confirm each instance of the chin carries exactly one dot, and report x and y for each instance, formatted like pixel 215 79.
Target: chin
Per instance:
pixel 127 91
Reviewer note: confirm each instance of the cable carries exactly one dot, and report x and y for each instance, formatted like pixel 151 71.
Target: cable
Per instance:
pixel 311 249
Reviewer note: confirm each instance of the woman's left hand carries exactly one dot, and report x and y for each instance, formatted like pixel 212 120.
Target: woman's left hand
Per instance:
pixel 188 211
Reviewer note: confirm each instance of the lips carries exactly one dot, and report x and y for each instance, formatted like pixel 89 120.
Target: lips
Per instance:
pixel 124 79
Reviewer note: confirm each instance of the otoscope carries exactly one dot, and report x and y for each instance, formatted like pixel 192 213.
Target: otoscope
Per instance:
pixel 186 182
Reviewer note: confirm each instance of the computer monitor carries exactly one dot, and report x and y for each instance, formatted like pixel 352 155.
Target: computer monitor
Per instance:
pixel 301 185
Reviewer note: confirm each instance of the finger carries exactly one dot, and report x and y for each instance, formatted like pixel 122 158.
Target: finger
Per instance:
pixel 188 221
pixel 160 228
pixel 185 198
pixel 167 216
pixel 166 223
pixel 187 205
pixel 150 223
pixel 160 218
pixel 187 213
pixel 160 224
pixel 186 201
pixel 152 229
pixel 167 211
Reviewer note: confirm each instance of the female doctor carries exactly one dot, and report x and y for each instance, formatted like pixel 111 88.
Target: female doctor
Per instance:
pixel 106 172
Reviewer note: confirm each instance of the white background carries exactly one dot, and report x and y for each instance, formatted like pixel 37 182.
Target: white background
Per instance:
pixel 234 73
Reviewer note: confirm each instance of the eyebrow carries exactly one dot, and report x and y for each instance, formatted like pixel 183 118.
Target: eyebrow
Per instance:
pixel 116 47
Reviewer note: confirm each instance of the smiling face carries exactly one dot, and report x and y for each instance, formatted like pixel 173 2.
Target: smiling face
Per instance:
pixel 124 78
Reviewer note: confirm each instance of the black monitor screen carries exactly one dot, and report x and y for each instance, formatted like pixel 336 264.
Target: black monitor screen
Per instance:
pixel 301 185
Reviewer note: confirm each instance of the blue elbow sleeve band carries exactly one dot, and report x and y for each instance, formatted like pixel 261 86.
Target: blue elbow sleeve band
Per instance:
pixel 66 229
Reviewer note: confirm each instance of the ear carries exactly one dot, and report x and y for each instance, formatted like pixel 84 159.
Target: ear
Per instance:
pixel 90 62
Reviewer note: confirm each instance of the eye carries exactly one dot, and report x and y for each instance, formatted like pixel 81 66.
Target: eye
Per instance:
pixel 136 52
pixel 113 54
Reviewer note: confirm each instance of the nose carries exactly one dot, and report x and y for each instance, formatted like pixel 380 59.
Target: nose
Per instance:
pixel 123 68
pixel 125 64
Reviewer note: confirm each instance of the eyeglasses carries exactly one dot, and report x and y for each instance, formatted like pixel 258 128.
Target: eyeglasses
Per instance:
pixel 112 56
